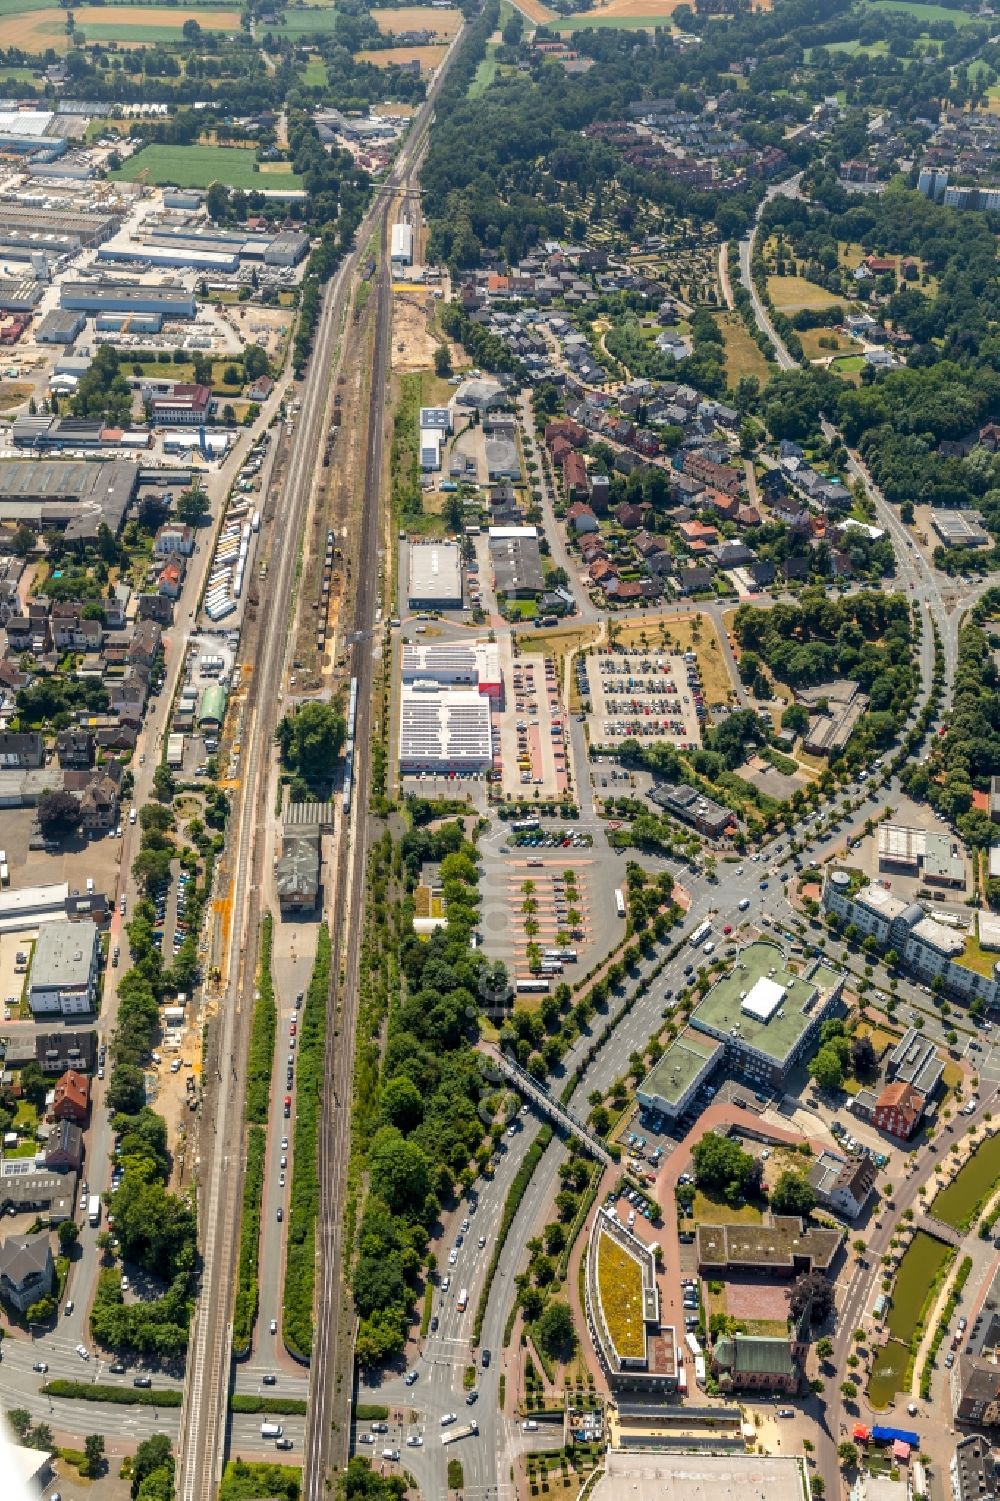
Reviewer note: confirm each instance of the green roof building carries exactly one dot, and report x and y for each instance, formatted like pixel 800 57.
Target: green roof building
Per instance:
pixel 212 708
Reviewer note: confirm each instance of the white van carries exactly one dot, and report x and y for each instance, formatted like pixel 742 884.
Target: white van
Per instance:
pixel 271 1430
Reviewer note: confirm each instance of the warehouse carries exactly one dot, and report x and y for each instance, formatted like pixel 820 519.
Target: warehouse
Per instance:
pixel 19 294
pixel 430 449
pixel 127 297
pixel 60 326
pixel 435 581
pixel 517 562
pixel 287 249
pixel 474 664
pixel 960 528
pixel 66 495
pixel 402 244
pixel 179 254
pixel 89 229
pixel 444 730
pixel 133 323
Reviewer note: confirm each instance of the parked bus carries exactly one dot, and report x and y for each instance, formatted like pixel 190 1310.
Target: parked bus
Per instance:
pixel 532 987
pixel 620 902
pixel 523 825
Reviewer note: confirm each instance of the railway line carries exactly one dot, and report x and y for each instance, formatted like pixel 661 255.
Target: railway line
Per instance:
pixel 203 1426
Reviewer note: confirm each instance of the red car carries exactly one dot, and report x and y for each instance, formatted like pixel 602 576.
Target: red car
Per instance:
pixel 728 928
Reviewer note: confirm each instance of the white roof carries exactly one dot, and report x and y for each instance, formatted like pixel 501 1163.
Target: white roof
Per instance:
pixel 451 727
pixel 763 1000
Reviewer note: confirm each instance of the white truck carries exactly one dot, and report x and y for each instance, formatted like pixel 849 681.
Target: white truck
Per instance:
pixel 94 1209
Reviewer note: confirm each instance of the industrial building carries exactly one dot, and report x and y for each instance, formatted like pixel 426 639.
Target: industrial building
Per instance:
pixel 435 576
pixel 64 968
pixel 689 1473
pixel 178 254
pixel 20 294
pixel 443 730
pixel 297 868
pixel 287 249
pixel 960 528
pixel 516 561
pixel 186 406
pixel 402 245
pixel 73 496
pixel 88 229
pixel 127 297
pixel 431 439
pixel 133 323
pixel 60 326
pixel 937 858
pixel 928 947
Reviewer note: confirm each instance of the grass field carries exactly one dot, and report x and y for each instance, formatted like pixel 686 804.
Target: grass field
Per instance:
pixel 708 1211
pixel 925 13
pixel 848 364
pixel 742 355
pixel 314 73
pixel 428 57
pixel 813 350
pixel 418 18
pixel 484 75
pixel 311 20
pixel 791 293
pixel 35 28
pixel 197 166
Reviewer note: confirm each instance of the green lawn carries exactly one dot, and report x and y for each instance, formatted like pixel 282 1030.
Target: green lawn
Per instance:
pixel 314 73
pixel 848 364
pixel 312 18
pixel 922 12
pixel 197 166
pixel 617 23
pixel 484 75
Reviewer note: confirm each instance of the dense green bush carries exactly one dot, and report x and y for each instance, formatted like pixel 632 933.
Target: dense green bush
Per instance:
pixel 262 1034
pixel 300 1257
pixel 245 1309
pixel 121 1396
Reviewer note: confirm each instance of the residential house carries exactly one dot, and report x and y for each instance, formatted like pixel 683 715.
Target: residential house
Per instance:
pixel 71 1097
pixel 260 389
pixel 843 1184
pixel 581 518
pixel 99 805
pixel 171 578
pixel 146 640
pixel 75 749
pixel 600 493
pixel 899 1110
pixel 694 580
pixel 575 476
pixel 174 536
pixel 719 476
pixel 21 750
pixel 27 1271
pixel 630 516
pixel 55 1052
pixel 64 1150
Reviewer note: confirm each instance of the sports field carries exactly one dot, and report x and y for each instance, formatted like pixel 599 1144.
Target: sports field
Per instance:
pixel 197 166
pixel 34 29
pixel 428 57
pixel 443 23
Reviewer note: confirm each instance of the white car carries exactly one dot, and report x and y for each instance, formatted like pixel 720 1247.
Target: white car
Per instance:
pixel 414 1441
pixel 83 1352
pixel 447 1418
pixel 452 1256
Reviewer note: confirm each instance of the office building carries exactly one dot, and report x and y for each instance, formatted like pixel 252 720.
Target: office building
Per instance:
pixel 672 1084
pixel 622 1301
pixel 64 969
pixel 781 1246
pixel 459 664
pixel 973 1474
pixel 693 807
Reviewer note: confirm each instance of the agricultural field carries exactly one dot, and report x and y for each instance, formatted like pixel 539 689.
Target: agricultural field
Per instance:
pixel 923 12
pixel 197 166
pixel 742 354
pixel 309 20
pixel 536 12
pixel 619 1280
pixel 429 57
pixel 627 14
pixel 35 28
pixel 444 23
pixel 792 293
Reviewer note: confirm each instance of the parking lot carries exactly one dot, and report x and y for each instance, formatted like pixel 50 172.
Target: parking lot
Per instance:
pixel 644 696
pixel 533 732
pixel 546 900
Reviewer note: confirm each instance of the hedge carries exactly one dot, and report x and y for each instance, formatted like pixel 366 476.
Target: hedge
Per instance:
pixel 947 1314
pixel 290 1406
pixel 512 1203
pixel 122 1396
pixel 245 1306
pixel 262 1033
pixel 370 1412
pixel 300 1255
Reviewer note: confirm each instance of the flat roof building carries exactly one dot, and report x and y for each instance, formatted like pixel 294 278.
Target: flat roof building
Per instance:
pixel 455 664
pixel 287 249
pixel 442 730
pixel 127 297
pixel 64 966
pixel 915 1060
pixel 832 725
pixel 767 1016
pixel 622 1301
pixel 672 1084
pixel 435 576
pixel 960 528
pixel 73 496
pixel 781 1245
pixel 911 851
pixel 59 326
pixel 401 252
pixel 633 1474
pixel 693 807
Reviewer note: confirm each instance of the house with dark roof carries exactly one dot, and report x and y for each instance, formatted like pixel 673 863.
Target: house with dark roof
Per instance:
pixel 55 1052
pixel 75 749
pixel 694 580
pixel 21 750
pixel 27 1271
pixel 64 1151
pixel 843 1184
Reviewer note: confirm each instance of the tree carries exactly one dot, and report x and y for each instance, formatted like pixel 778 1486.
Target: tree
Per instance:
pixel 153 1454
pixel 311 739
pixel 23 540
pixel 58 814
pixel 191 32
pixel 554 1330
pixel 42 1311
pixel 815 1289
pixel 847 1454
pixel 719 1162
pixel 192 506
pixel 93 1447
pixel 826 1069
pixel 254 362
pixel 863 1060
pixel 848 1390
pixel 793 1194
pixel 69 1234
pixel 126 1089
pixel 34 1085
pixel 19 1419
pixel 824 1347
pixel 163 782
pixel 442 361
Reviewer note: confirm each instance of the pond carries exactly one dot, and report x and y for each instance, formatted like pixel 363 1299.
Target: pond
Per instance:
pixel 956 1205
pixel 922 1262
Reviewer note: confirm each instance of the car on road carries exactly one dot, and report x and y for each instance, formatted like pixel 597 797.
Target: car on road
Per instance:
pixel 410 1378
pixel 142 1382
pixel 281 1214
pixel 445 1283
pixel 274 1326
pixel 118 1368
pixel 728 929
pixel 40 1366
pixel 447 1418
pixel 763 885
pixel 486 1358
pixel 269 1380
pixel 83 1352
pixel 949 1360
pixel 786 1412
pixel 435 1321
pixel 392 1453
pixel 283 1443
pixel 414 1441
pixel 471 1397
pixel 366 1438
